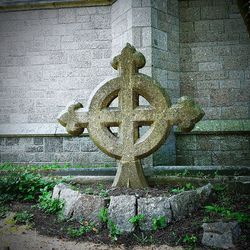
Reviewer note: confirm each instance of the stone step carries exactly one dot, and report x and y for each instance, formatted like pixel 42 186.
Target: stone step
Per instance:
pixel 158 170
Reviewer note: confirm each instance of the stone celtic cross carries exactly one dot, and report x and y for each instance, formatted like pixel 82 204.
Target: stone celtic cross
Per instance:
pixel 128 147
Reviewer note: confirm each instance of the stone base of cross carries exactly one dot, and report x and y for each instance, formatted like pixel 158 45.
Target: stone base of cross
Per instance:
pixel 128 147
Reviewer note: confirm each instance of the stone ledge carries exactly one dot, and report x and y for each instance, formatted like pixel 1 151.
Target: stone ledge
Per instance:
pixel 219 126
pixel 55 129
pixel 33 129
pixel 46 4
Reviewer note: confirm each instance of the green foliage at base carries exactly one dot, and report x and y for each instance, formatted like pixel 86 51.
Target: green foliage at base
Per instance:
pixel 114 232
pixel 23 186
pixel 23 217
pixel 86 227
pixel 227 213
pixel 18 168
pixel 48 204
pixel 190 239
pixel 159 223
pixel 137 219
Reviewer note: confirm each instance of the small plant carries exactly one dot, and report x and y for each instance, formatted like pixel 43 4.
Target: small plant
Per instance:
pixel 190 239
pixel 144 239
pixel 219 187
pixel 86 227
pixel 103 193
pixel 189 186
pixel 114 232
pixel 137 219
pixel 3 211
pixel 227 213
pixel 177 190
pixel 159 223
pixel 25 186
pixel 23 217
pixel 89 190
pixel 48 204
pixel 103 215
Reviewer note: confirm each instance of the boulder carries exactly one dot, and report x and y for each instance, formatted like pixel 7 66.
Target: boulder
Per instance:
pixel 68 195
pixel 220 234
pixel 88 207
pixel 184 204
pixel 121 209
pixel 151 208
pixel 204 192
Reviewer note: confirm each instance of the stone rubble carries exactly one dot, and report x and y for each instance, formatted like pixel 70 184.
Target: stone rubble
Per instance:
pixel 220 234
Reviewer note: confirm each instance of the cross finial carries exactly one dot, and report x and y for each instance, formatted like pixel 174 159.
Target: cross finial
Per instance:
pixel 129 61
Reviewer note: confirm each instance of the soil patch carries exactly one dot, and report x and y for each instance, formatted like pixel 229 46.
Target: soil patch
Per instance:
pixel 173 235
pixel 105 189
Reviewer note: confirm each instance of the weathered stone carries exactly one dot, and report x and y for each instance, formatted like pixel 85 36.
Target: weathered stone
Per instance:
pixel 151 208
pixel 183 204
pixel 98 117
pixel 220 234
pixel 88 207
pixel 121 209
pixel 204 192
pixel 69 196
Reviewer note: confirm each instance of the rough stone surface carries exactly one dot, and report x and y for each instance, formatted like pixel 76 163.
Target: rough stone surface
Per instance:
pixel 98 117
pixel 79 206
pixel 220 234
pixel 184 204
pixel 121 209
pixel 69 196
pixel 88 207
pixel 154 207
pixel 213 149
pixel 204 192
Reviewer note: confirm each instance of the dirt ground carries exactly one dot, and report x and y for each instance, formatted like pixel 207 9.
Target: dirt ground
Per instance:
pixel 48 232
pixel 14 237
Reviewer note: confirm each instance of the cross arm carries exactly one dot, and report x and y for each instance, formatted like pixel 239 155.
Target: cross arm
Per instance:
pixel 185 114
pixel 73 121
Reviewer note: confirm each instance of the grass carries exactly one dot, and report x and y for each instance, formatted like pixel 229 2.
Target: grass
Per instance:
pixel 18 168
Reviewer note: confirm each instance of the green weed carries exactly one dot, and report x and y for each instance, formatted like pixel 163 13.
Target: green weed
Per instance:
pixel 23 217
pixel 137 219
pixel 190 239
pixel 159 223
pixel 114 232
pixel 85 228
pixel 48 204
pixel 25 186
pixel 144 239
pixel 227 213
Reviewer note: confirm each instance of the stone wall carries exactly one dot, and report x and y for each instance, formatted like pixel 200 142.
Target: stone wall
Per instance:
pixel 51 57
pixel 213 149
pixel 52 150
pixel 214 69
pixel 214 58
pixel 198 48
pixel 165 63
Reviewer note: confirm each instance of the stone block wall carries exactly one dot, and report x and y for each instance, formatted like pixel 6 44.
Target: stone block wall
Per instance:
pixel 165 63
pixel 214 69
pixel 214 58
pixel 198 48
pixel 213 149
pixel 52 150
pixel 49 58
